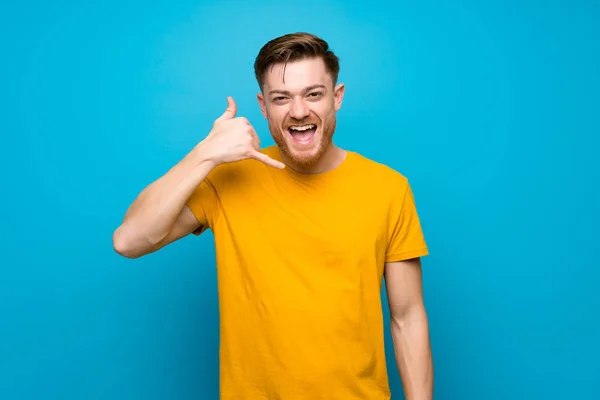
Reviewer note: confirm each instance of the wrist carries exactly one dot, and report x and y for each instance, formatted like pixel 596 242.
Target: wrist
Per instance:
pixel 203 154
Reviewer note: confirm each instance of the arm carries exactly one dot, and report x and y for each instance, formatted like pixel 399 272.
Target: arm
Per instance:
pixel 159 216
pixel 409 326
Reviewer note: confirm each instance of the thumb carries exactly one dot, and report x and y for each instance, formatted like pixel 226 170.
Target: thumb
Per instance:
pixel 230 111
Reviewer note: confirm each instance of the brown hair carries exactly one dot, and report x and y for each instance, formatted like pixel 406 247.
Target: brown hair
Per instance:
pixel 294 47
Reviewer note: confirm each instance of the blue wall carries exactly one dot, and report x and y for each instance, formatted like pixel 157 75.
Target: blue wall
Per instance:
pixel 490 108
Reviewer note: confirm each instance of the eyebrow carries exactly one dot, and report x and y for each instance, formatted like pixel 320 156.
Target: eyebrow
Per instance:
pixel 312 87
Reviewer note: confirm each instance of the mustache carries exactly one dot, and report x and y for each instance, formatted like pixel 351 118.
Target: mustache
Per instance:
pixel 306 121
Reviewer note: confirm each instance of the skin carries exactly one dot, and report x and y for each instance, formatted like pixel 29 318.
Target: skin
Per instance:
pixel 159 216
pixel 304 95
pixel 409 326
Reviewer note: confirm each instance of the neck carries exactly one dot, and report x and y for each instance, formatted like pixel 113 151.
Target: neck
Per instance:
pixel 330 160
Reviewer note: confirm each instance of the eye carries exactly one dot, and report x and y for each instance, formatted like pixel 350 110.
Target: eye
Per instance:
pixel 315 94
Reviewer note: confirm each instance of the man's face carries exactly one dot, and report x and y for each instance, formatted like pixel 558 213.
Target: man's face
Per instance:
pixel 300 109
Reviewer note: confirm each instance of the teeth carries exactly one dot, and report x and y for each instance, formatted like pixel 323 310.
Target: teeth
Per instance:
pixel 302 128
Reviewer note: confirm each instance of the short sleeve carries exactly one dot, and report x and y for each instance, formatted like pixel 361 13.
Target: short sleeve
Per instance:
pixel 406 239
pixel 204 205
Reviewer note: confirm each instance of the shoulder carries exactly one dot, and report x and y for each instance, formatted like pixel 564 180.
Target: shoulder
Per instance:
pixel 379 175
pixel 390 187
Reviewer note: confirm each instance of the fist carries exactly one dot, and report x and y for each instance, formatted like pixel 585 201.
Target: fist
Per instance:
pixel 234 139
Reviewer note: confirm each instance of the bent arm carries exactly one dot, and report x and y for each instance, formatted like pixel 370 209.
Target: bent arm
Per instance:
pixel 159 215
pixel 409 326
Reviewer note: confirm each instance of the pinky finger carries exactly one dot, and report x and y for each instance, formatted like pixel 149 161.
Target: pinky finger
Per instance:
pixel 257 155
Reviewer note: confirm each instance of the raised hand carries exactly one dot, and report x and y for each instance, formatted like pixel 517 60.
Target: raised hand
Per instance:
pixel 234 139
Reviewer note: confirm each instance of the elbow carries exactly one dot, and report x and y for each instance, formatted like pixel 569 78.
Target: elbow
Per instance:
pixel 414 315
pixel 124 245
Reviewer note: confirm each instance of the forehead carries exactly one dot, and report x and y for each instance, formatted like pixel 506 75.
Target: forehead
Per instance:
pixel 298 75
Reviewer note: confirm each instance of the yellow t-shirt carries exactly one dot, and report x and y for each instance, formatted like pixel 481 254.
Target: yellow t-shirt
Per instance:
pixel 300 260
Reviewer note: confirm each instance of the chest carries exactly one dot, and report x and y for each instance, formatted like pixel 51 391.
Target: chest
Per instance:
pixel 338 224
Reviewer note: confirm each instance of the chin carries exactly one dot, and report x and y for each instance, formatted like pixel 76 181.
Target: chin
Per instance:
pixel 306 153
pixel 303 145
pixel 304 158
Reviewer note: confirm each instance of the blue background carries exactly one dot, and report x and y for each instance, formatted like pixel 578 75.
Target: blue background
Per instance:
pixel 490 108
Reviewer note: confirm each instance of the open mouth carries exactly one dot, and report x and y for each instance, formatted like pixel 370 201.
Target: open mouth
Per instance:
pixel 302 134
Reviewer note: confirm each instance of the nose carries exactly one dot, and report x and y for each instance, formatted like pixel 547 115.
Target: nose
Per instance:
pixel 298 109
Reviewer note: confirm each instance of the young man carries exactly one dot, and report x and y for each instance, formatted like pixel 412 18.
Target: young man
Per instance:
pixel 304 233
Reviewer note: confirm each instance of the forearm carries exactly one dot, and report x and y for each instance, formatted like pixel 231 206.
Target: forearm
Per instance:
pixel 153 213
pixel 412 348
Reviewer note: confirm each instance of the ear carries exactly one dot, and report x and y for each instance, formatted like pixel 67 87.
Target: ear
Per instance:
pixel 338 96
pixel 262 104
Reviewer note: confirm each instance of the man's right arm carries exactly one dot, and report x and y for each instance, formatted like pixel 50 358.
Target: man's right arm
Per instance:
pixel 159 215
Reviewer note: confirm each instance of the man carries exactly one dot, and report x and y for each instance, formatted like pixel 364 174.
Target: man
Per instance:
pixel 305 232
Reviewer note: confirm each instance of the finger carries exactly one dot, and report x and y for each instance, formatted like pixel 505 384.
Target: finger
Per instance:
pixel 255 140
pixel 230 111
pixel 257 155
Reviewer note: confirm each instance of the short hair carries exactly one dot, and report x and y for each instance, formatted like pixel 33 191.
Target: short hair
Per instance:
pixel 293 47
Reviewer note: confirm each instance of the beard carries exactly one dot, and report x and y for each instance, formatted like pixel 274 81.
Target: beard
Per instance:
pixel 310 157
